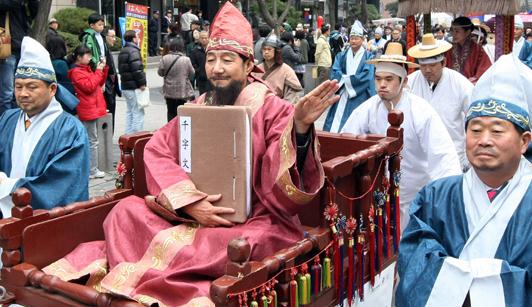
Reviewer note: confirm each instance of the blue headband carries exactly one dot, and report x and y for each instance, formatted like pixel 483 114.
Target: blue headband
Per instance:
pixel 500 109
pixel 25 72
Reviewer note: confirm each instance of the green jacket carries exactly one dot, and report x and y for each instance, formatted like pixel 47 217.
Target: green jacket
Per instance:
pixel 88 38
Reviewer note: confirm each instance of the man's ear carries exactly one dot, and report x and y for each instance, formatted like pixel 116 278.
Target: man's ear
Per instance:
pixel 53 88
pixel 525 138
pixel 249 66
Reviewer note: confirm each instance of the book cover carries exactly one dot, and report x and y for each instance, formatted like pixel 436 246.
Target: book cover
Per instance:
pixel 215 149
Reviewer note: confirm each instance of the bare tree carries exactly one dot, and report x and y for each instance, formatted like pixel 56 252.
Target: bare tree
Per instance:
pixel 40 24
pixel 364 17
pixel 274 20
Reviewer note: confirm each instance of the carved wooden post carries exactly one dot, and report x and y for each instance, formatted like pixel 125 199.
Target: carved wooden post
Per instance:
pixel 126 156
pixel 22 201
pixel 238 252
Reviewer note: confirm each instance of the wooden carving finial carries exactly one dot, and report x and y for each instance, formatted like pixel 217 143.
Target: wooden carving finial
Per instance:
pixel 238 252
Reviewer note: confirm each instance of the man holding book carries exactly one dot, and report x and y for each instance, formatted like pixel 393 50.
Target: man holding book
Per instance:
pixel 153 257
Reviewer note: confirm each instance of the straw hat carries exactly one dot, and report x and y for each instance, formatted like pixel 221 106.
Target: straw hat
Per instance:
pixel 429 47
pixel 393 54
pixel 476 22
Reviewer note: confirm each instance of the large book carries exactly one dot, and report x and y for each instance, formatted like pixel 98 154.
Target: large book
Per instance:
pixel 215 149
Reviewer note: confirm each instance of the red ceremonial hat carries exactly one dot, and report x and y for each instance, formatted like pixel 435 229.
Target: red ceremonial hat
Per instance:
pixel 231 31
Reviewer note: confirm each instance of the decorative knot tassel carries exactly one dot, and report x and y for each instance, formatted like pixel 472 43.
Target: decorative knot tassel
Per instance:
pixel 326 272
pixel 316 277
pixel 388 227
pixel 379 233
pixel 397 221
pixel 273 298
pixel 294 295
pixel 350 272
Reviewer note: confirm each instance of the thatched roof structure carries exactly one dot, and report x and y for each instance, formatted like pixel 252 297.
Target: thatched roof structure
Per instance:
pixel 499 7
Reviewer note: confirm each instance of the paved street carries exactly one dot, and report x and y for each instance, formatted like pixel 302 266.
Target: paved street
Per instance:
pixel 155 118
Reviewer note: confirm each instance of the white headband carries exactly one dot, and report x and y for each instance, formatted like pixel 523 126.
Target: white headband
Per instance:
pixel 392 68
pixel 431 60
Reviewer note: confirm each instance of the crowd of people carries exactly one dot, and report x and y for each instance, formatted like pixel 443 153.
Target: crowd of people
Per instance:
pixel 465 183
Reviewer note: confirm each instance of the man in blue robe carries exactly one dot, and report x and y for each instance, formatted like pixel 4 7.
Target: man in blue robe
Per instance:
pixel 468 242
pixel 42 147
pixel 355 77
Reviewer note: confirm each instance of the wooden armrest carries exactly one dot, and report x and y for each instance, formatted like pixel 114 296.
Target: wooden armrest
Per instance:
pixel 26 279
pixel 244 275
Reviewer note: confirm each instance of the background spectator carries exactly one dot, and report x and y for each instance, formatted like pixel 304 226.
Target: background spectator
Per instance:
pixel 88 85
pixel 132 77
pixel 20 17
pixel 197 57
pixel 112 88
pixel 290 50
pixel 153 29
pixel 304 50
pixel 264 30
pixel 93 39
pixel 177 70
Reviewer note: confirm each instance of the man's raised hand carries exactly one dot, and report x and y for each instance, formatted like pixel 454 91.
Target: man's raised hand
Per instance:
pixel 312 105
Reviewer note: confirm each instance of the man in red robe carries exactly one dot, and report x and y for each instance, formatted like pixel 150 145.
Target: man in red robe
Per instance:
pixel 151 260
pixel 466 57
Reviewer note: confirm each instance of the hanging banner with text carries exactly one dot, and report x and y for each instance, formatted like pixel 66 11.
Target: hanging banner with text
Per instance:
pixel 137 20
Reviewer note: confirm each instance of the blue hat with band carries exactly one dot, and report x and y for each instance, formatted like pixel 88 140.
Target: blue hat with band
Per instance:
pixel 34 62
pixel 504 91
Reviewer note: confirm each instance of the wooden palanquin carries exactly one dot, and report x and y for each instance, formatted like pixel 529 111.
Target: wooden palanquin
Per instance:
pixel 32 239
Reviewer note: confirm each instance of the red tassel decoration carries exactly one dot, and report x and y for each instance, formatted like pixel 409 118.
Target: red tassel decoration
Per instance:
pixel 360 264
pixel 371 246
pixel 379 241
pixel 350 256
pixel 388 226
pixel 336 264
pixel 316 276
pixel 294 295
pixel 350 228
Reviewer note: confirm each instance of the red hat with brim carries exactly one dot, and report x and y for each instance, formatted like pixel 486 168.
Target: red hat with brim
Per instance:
pixel 231 31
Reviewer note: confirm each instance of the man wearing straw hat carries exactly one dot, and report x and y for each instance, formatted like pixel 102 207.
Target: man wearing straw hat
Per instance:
pixel 428 152
pixel 447 90
pixel 355 77
pixel 468 242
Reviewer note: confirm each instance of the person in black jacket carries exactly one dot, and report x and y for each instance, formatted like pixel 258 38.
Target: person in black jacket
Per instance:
pixel 290 50
pixel 21 15
pixel 197 57
pixel 111 83
pixel 132 77
pixel 153 29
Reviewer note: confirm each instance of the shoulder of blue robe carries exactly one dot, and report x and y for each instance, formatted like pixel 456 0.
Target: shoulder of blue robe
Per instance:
pixel 8 123
pixel 516 249
pixel 339 65
pixel 58 170
pixel 437 228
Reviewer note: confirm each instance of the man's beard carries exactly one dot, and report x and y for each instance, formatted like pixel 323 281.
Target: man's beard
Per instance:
pixel 226 95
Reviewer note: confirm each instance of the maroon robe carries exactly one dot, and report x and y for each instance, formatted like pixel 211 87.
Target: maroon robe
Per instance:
pixel 151 260
pixel 475 63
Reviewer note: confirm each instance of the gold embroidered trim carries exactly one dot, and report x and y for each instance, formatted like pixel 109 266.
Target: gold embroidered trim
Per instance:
pixel 494 108
pixel 30 72
pixel 164 247
pixel 219 42
pixel 179 195
pixel 288 159
pixel 66 272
